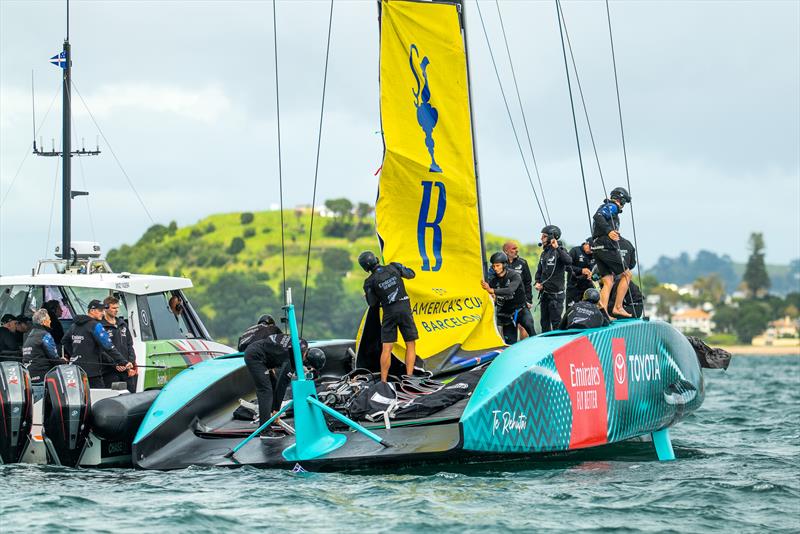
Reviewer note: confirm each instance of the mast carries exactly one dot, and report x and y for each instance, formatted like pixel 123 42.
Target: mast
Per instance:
pixel 64 61
pixel 66 151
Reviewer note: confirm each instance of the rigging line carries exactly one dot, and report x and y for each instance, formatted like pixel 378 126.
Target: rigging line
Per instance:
pixel 624 148
pixel 83 175
pixel 508 111
pixel 280 170
pixel 522 110
pixel 114 154
pixel 52 209
pixel 316 168
pixel 583 100
pixel 574 120
pixel 28 152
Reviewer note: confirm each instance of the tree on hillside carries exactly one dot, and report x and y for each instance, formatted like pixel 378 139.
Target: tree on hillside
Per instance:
pixel 342 208
pixel 363 210
pixel 711 288
pixel 336 260
pixel 755 276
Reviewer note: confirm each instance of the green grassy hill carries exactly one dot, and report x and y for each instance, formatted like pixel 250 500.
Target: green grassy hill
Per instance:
pixel 234 260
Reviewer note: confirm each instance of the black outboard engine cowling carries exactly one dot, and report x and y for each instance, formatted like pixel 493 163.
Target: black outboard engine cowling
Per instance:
pixel 16 410
pixel 67 403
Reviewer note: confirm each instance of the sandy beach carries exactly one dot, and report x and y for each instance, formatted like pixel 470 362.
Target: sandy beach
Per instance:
pixel 753 350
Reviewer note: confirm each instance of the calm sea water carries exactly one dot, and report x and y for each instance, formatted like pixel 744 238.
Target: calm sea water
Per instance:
pixel 738 470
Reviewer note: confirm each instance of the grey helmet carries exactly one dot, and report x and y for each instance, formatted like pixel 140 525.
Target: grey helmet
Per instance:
pixel 591 295
pixel 621 194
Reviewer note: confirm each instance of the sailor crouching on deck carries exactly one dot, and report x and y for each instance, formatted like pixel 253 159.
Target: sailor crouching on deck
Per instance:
pixel 89 346
pixel 40 352
pixel 549 277
pixel 506 287
pixel 586 313
pixel 269 361
pixel 385 287
pixel 264 328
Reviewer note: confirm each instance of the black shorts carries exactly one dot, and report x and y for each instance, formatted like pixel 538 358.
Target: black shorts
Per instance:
pixel 398 316
pixel 608 258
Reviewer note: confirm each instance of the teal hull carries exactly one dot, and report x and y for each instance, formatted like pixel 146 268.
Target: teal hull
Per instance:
pixel 571 390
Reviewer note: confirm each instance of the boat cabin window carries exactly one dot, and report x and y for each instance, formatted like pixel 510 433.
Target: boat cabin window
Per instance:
pixel 12 299
pixel 80 297
pixel 166 316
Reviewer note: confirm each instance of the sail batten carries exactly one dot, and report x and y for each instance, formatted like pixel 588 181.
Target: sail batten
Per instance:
pixel 427 209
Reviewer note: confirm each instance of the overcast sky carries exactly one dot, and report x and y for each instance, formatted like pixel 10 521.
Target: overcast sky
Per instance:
pixel 184 92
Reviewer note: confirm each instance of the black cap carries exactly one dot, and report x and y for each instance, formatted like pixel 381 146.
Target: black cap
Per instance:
pixel 96 305
pixel 23 319
pixel 7 318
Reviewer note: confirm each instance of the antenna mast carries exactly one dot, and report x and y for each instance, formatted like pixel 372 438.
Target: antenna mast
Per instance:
pixel 64 60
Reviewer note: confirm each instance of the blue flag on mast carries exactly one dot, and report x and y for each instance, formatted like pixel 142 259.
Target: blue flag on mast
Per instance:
pixel 59 60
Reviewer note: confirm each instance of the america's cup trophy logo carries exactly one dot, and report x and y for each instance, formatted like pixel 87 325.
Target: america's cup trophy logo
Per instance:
pixel 427 115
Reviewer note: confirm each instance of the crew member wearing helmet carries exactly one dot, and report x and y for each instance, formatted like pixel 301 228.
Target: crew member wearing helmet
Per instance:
pixel 384 287
pixel 511 305
pixel 264 327
pixel 549 277
pixel 606 248
pixel 269 361
pixel 586 313
pixel 579 274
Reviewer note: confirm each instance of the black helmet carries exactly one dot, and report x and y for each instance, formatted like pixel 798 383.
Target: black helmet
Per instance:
pixel 367 261
pixel 315 358
pixel 621 194
pixel 498 257
pixel 553 230
pixel 266 319
pixel 591 295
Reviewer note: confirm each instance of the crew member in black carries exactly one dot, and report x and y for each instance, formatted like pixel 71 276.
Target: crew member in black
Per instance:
pixel 585 313
pixel 384 286
pixel 54 310
pixel 89 345
pixel 509 298
pixel 516 263
pixel 579 274
pixel 550 277
pixel 39 352
pixel 9 347
pixel 264 327
pixel 269 361
pixel 122 339
pixel 605 246
pixel 633 300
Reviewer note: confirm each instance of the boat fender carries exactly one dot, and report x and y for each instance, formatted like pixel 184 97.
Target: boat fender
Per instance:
pixel 118 418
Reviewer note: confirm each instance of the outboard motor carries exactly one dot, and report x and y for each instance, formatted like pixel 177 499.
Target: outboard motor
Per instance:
pixel 16 410
pixel 67 403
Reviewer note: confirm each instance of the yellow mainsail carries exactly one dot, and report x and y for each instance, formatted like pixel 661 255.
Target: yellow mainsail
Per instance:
pixel 427 208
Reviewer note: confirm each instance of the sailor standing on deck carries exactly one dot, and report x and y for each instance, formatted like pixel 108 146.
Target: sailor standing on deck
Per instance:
pixel 605 246
pixel 89 346
pixel 516 263
pixel 550 277
pixel 509 298
pixel 579 274
pixel 384 287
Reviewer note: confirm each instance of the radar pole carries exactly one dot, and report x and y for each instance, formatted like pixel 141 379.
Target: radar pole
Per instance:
pixel 66 153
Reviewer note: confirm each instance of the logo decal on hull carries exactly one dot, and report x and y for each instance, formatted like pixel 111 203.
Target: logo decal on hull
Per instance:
pixel 620 369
